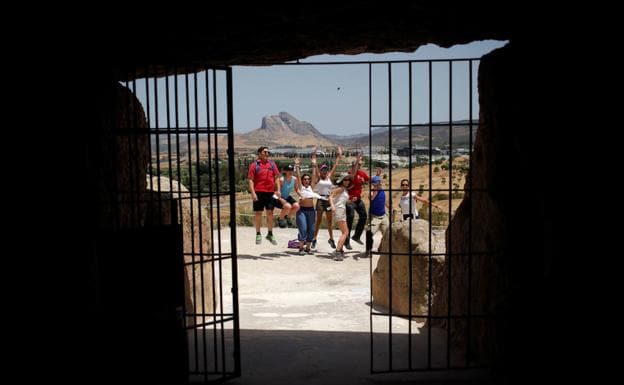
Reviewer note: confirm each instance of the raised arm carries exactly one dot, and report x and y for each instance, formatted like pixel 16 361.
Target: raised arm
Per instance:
pixel 338 156
pixel 298 176
pixel 356 164
pixel 316 175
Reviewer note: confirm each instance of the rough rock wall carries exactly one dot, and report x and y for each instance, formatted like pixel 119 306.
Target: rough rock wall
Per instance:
pixel 120 160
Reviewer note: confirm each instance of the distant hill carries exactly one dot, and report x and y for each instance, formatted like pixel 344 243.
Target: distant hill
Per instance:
pixel 420 136
pixel 283 130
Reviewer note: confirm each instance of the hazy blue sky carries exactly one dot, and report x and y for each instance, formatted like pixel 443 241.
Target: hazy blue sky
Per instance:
pixel 334 98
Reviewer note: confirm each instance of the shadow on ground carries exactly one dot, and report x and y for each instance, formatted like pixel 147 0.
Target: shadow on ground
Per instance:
pixel 317 357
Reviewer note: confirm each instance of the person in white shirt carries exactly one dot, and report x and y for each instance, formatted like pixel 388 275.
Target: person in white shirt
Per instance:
pixel 408 201
pixel 338 200
pixel 306 213
pixel 323 185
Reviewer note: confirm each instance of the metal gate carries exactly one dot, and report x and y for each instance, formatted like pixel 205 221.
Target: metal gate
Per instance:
pixel 422 316
pixel 175 134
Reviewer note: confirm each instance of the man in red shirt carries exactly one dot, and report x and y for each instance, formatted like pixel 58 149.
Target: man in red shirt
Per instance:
pixel 355 202
pixel 263 178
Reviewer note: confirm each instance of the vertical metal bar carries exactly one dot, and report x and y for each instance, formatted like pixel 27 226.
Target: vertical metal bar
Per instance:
pixel 409 243
pixel 370 262
pixel 133 145
pixel 469 196
pixel 168 101
pixel 180 212
pixel 200 230
pixel 429 284
pixel 212 239
pixel 191 214
pixel 179 169
pixel 157 149
pixel 230 112
pixel 115 138
pixel 218 188
pixel 150 186
pixel 450 185
pixel 390 249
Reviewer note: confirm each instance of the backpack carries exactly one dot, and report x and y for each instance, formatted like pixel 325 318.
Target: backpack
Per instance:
pixel 273 167
pixel 293 244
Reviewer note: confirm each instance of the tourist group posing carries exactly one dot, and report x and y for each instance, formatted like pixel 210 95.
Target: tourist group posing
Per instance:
pixel 294 193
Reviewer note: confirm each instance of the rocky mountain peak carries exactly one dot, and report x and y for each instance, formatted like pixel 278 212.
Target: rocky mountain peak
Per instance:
pixel 286 129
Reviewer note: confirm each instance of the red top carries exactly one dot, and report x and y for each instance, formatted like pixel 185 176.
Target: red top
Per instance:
pixel 356 190
pixel 264 181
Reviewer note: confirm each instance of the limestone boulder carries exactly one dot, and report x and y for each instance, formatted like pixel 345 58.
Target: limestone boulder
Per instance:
pixel 171 195
pixel 407 270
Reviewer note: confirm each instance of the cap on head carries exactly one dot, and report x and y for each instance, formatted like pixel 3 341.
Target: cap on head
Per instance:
pixel 344 176
pixel 288 168
pixel 324 167
pixel 376 179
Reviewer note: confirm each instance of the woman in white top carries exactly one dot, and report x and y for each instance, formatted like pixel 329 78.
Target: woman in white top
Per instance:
pixel 338 201
pixel 305 214
pixel 408 201
pixel 322 178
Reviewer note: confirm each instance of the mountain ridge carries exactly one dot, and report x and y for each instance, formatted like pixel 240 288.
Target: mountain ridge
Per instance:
pixel 284 129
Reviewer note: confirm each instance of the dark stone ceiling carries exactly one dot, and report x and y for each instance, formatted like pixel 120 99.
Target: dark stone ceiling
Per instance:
pixel 241 34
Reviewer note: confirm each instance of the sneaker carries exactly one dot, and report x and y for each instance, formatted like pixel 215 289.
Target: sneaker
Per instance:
pixel 281 223
pixel 258 239
pixel 271 239
pixel 289 222
pixel 301 252
pixel 314 243
pixel 357 240
pixel 348 246
pixel 338 255
pixel 307 249
pixel 331 243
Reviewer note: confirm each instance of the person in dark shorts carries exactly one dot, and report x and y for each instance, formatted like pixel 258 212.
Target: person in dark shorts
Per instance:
pixel 356 204
pixel 263 178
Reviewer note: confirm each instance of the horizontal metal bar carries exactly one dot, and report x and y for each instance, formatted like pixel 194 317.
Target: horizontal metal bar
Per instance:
pixel 229 319
pixel 165 130
pixel 189 130
pixel 437 369
pixel 473 253
pixel 437 124
pixel 362 62
pixel 226 374
pixel 460 317
pixel 222 257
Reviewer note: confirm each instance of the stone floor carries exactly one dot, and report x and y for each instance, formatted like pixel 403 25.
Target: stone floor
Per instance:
pixel 305 319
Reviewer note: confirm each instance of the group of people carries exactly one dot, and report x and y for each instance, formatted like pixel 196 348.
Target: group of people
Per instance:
pixel 270 189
